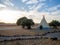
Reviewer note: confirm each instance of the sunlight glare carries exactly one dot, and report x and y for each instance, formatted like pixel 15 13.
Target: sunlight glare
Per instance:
pixel 9 16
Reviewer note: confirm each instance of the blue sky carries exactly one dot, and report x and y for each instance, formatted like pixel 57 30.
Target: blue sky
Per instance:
pixel 30 8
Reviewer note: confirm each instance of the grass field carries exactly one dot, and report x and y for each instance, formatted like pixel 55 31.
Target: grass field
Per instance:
pixel 32 42
pixel 17 30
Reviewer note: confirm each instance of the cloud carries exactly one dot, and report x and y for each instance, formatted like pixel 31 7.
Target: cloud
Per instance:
pixel 37 16
pixel 7 2
pixel 34 5
pixel 30 4
pixel 42 0
pixel 39 6
pixel 54 8
pixel 11 16
pixel 56 12
pixel 3 6
pixel 24 0
pixel 8 15
pixel 32 1
pixel 51 13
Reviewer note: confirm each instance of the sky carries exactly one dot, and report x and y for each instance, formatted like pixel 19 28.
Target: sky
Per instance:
pixel 12 10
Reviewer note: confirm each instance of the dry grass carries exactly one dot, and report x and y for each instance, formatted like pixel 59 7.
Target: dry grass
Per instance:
pixel 17 30
pixel 32 42
pixel 20 31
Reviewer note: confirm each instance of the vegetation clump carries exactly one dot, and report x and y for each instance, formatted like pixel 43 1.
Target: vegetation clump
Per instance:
pixel 54 23
pixel 25 22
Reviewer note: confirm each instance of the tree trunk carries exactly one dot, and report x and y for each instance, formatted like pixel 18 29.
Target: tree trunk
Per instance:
pixel 29 27
pixel 23 26
pixel 55 27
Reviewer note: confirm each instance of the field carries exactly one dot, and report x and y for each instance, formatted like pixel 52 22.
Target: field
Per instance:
pixel 17 31
pixel 32 42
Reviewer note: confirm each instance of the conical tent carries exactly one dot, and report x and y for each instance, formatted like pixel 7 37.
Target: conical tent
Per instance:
pixel 44 23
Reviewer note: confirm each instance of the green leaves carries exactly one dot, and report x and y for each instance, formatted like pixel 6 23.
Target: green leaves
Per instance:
pixel 25 22
pixel 54 23
pixel 21 20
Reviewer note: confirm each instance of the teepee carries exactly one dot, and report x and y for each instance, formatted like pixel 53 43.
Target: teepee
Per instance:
pixel 44 23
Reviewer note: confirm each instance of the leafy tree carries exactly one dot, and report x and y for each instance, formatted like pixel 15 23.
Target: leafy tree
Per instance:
pixel 54 23
pixel 25 22
pixel 29 23
pixel 21 21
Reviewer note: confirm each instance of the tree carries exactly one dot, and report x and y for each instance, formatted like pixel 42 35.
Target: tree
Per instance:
pixel 25 22
pixel 54 23
pixel 21 21
pixel 29 23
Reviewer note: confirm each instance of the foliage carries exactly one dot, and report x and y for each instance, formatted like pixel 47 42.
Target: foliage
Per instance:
pixel 54 23
pixel 25 22
pixel 21 20
pixel 29 22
